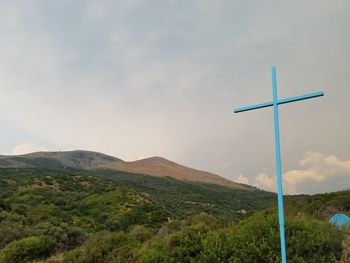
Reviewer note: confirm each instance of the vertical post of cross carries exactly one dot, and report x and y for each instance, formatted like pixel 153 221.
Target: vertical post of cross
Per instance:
pixel 278 166
pixel 275 104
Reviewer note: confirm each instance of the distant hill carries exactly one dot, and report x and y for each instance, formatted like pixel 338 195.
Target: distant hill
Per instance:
pixel 87 160
pixel 55 160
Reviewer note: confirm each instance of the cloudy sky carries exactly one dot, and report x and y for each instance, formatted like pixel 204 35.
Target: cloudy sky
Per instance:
pixel 138 78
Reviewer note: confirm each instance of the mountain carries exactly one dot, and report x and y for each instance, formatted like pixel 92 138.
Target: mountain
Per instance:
pixel 87 160
pixel 55 160
pixel 180 190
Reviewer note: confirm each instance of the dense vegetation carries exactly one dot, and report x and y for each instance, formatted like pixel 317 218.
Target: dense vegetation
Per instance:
pixel 183 199
pixel 80 216
pixel 320 206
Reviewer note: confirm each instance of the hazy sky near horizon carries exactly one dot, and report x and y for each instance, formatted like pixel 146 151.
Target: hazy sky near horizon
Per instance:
pixel 143 78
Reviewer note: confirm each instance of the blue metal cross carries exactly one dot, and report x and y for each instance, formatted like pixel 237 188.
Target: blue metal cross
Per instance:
pixel 275 104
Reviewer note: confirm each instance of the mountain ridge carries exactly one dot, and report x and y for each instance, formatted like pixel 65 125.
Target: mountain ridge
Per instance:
pixel 90 160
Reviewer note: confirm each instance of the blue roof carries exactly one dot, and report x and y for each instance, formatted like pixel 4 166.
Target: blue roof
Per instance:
pixel 340 220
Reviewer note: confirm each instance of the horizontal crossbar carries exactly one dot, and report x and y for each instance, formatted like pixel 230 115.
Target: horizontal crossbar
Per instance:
pixel 281 101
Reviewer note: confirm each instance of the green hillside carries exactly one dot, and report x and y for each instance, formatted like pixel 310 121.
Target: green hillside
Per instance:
pixel 35 201
pixel 108 216
pixel 182 199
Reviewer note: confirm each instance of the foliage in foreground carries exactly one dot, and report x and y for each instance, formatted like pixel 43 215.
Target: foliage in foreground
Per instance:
pixel 253 240
pixel 55 216
pixel 205 240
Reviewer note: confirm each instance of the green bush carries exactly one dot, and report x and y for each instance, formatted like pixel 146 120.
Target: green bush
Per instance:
pixel 186 245
pixel 72 256
pixel 105 247
pixel 65 236
pixel 170 227
pixel 27 249
pixel 11 232
pixel 155 255
pixel 257 240
pixel 141 233
pixel 75 237
pixel 4 205
pixel 217 246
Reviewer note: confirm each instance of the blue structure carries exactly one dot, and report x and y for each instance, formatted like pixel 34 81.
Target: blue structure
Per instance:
pixel 275 104
pixel 340 220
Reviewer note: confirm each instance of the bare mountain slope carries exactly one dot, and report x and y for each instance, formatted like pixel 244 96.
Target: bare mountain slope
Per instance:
pixel 157 166
pixel 154 166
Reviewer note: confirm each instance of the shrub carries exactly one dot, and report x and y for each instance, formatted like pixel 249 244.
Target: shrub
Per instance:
pixel 186 245
pixel 72 256
pixel 205 219
pixel 27 249
pixel 113 225
pixel 346 249
pixel 217 246
pixel 105 247
pixel 141 233
pixel 170 227
pixel 4 205
pixel 21 210
pixel 75 237
pixel 257 240
pixel 65 236
pixel 155 255
pixel 10 232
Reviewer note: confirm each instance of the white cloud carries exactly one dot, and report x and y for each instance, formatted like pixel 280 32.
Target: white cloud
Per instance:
pixel 242 179
pixel 265 181
pixel 316 167
pixel 26 148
